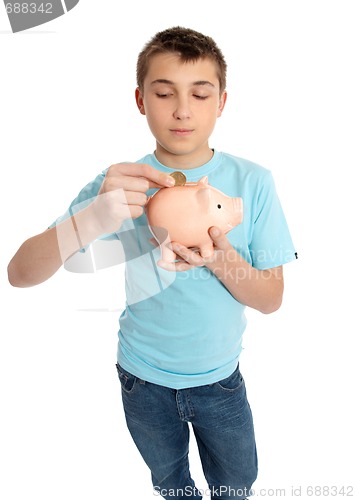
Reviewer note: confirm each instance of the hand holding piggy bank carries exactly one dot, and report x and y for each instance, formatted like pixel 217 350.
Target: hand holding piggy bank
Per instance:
pixel 187 212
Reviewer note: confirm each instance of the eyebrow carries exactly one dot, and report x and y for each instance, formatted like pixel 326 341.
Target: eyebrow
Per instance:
pixel 169 82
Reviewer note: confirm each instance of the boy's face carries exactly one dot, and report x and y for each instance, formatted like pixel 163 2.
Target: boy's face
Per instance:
pixel 182 102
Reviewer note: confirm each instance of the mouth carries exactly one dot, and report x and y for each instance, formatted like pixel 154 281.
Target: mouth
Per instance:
pixel 181 131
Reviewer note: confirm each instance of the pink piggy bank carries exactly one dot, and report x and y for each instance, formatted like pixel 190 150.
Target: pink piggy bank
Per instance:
pixel 187 212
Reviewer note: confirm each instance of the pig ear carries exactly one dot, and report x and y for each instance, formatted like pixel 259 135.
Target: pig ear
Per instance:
pixel 203 181
pixel 204 196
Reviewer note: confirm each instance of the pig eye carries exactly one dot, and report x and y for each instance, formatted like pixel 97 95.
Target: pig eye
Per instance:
pixel 219 206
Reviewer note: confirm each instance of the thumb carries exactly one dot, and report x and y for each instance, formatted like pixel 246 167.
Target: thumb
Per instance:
pixel 219 239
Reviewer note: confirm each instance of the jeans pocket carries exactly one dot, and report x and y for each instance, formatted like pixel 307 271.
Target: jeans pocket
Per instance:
pixel 127 380
pixel 232 383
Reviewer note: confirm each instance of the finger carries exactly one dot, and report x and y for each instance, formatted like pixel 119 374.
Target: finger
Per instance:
pixel 126 183
pixel 136 198
pixel 135 211
pixel 126 203
pixel 174 266
pixel 188 255
pixel 155 177
pixel 219 239
pixel 119 197
pixel 154 185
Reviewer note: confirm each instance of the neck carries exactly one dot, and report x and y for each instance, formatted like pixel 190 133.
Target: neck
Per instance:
pixel 183 161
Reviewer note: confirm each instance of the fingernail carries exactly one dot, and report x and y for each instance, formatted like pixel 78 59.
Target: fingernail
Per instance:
pixel 170 181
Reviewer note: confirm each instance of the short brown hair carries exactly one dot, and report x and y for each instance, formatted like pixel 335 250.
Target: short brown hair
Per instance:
pixel 189 44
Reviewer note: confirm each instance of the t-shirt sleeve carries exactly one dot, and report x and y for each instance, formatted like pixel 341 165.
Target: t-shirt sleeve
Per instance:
pixel 271 243
pixel 82 200
pixel 86 196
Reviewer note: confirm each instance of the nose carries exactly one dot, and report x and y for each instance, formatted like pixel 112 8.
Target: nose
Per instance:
pixel 182 110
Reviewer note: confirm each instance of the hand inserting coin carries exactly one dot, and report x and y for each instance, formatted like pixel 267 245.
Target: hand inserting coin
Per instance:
pixel 180 178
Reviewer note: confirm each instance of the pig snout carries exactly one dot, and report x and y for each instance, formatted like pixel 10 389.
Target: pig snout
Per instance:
pixel 237 213
pixel 229 213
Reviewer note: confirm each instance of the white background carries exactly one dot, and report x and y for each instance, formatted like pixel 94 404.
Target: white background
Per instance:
pixel 67 112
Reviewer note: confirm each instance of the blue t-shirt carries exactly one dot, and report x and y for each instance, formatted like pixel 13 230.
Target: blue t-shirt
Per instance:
pixel 185 329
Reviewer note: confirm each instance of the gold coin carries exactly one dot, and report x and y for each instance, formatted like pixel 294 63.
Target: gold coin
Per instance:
pixel 180 178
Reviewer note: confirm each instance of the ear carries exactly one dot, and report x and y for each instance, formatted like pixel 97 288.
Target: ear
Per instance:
pixel 203 196
pixel 139 101
pixel 203 180
pixel 222 103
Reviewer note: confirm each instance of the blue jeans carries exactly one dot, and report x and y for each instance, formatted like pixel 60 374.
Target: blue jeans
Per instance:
pixel 158 419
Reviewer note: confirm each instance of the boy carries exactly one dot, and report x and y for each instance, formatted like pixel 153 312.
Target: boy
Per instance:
pixel 180 334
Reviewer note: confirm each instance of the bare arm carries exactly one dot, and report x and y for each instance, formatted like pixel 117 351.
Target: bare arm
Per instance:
pixel 261 290
pixel 121 196
pixel 39 257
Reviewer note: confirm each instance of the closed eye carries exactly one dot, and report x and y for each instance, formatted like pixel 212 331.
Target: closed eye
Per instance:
pixel 201 97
